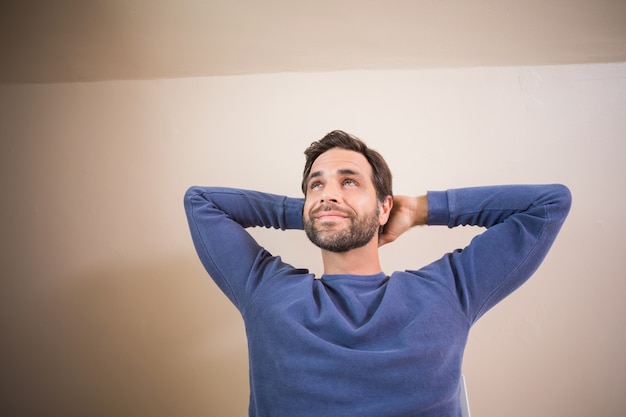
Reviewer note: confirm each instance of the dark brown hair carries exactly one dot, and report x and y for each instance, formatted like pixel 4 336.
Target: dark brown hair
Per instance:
pixel 381 174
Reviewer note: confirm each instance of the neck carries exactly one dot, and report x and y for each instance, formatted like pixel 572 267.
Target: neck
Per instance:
pixel 360 261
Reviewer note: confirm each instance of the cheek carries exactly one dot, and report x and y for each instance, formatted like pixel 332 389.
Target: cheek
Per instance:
pixel 308 205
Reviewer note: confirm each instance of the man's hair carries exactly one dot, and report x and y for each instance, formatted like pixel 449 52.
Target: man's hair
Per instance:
pixel 381 174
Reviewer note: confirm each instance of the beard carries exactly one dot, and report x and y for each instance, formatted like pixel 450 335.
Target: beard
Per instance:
pixel 358 233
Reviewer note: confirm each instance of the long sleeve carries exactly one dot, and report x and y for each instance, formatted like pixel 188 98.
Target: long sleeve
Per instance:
pixel 217 220
pixel 522 223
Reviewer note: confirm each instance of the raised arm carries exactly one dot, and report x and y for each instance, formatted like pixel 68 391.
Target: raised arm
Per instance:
pixel 217 220
pixel 522 222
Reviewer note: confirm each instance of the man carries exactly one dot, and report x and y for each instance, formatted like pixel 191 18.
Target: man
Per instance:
pixel 358 342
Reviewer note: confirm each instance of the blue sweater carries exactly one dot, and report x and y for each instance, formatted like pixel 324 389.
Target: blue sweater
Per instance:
pixel 379 346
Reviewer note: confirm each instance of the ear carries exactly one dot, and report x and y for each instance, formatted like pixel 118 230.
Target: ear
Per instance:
pixel 385 209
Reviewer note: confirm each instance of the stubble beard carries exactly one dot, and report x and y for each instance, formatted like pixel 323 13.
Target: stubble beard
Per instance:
pixel 360 232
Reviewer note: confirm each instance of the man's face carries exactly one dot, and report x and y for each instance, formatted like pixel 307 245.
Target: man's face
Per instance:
pixel 341 210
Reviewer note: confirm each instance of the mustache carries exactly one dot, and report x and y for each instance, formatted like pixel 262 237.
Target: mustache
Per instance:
pixel 331 207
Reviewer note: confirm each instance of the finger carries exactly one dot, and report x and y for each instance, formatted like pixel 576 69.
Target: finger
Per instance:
pixel 384 239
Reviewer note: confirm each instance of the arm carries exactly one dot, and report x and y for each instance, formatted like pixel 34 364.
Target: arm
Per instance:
pixel 522 222
pixel 217 220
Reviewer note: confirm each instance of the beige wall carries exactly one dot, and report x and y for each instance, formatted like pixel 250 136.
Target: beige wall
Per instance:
pixel 105 309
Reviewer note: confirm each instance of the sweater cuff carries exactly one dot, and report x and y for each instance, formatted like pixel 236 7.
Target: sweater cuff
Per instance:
pixel 293 213
pixel 438 211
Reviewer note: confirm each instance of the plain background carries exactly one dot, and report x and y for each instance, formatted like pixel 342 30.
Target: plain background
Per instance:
pixel 105 309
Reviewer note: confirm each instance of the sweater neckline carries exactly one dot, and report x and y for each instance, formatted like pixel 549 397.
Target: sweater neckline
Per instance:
pixel 354 277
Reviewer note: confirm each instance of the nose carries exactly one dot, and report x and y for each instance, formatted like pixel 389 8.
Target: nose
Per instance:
pixel 330 194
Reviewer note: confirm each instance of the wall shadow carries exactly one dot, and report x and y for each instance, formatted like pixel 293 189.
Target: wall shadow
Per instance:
pixel 127 340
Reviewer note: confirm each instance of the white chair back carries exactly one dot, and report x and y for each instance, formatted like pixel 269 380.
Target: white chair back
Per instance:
pixel 465 410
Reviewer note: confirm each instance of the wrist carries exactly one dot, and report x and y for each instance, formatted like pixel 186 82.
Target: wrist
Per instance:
pixel 420 211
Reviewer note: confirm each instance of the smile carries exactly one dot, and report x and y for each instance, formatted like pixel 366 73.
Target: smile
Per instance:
pixel 330 215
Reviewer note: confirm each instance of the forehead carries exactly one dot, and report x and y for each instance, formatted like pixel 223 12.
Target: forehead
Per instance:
pixel 338 159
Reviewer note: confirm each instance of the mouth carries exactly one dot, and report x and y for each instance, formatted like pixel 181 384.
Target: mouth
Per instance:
pixel 329 213
pixel 328 216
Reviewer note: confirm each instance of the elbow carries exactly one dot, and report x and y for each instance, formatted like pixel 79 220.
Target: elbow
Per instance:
pixel 561 200
pixel 565 197
pixel 191 193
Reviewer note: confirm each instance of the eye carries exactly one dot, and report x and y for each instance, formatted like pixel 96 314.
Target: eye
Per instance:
pixel 314 185
pixel 349 182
